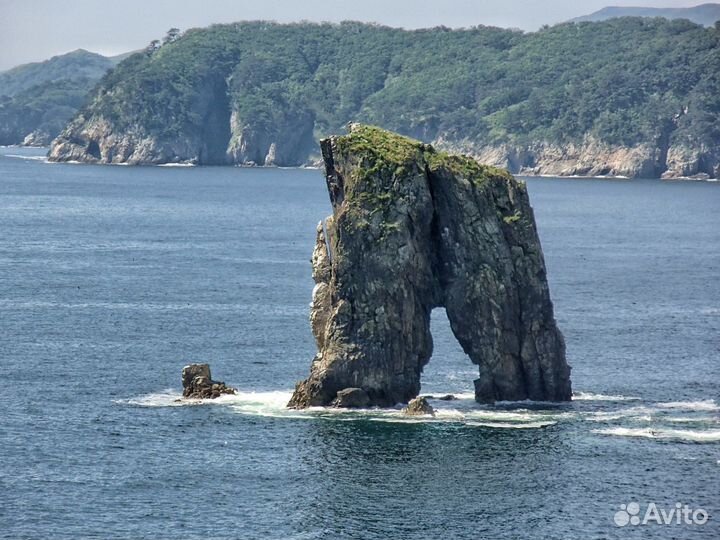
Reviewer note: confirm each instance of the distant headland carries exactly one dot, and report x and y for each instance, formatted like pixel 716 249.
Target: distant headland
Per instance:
pixel 627 97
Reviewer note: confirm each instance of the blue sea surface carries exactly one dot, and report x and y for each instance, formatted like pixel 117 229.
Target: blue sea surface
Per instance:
pixel 112 278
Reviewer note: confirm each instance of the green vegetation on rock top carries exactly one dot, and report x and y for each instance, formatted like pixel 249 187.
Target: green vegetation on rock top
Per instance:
pixel 464 167
pixel 375 143
pixel 381 154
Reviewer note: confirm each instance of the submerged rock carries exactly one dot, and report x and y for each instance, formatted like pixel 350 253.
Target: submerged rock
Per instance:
pixel 413 229
pixel 198 384
pixel 418 407
pixel 443 397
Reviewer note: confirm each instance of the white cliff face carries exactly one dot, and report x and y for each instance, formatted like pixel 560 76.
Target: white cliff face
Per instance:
pixel 222 140
pixel 692 162
pixel 212 133
pixel 287 144
pixel 244 146
pixel 592 157
pixel 97 141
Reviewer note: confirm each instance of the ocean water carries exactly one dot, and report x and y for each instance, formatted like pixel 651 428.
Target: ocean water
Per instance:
pixel 113 278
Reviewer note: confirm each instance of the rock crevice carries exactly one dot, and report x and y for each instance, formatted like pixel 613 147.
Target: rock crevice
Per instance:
pixel 413 229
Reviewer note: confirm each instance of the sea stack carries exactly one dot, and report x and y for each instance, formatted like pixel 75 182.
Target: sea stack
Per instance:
pixel 198 384
pixel 413 229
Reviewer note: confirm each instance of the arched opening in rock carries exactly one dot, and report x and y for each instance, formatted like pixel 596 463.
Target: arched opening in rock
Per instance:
pixel 413 228
pixel 449 370
pixel 93 148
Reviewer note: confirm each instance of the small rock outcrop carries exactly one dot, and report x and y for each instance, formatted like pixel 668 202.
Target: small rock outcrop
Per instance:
pixel 413 229
pixel 198 384
pixel 37 138
pixel 351 398
pixel 419 407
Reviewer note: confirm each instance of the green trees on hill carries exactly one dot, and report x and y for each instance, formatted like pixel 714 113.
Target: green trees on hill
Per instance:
pixel 624 81
pixel 42 97
pixel 44 109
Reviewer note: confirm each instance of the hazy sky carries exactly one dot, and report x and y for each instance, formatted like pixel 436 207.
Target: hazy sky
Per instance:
pixel 32 30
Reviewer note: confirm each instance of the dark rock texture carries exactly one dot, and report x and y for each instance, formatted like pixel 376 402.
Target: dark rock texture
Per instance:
pixel 351 398
pixel 413 229
pixel 419 407
pixel 198 384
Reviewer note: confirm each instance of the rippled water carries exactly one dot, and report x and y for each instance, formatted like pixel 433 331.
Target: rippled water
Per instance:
pixel 112 278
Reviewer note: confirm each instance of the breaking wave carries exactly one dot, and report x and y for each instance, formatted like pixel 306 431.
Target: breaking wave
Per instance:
pixel 660 433
pixel 31 158
pixel 501 425
pixel 273 404
pixel 646 420
pixel 590 396
pixel 705 405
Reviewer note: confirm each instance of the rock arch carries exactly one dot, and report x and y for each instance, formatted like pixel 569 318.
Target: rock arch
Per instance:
pixel 413 229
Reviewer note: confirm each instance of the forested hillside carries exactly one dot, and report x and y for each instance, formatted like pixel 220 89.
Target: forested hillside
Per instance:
pixel 631 96
pixel 37 100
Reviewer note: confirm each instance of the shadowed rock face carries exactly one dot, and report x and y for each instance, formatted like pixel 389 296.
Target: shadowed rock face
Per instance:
pixel 413 229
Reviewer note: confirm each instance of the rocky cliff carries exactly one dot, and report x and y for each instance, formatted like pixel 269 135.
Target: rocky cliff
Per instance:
pixel 626 97
pixel 94 137
pixel 98 140
pixel 226 140
pixel 591 157
pixel 221 138
pixel 413 229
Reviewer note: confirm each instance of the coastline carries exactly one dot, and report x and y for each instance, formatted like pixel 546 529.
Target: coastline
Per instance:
pixel 312 165
pixel 183 165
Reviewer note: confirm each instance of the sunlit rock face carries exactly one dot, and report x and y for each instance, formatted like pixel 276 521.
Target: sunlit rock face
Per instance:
pixel 413 229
